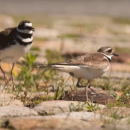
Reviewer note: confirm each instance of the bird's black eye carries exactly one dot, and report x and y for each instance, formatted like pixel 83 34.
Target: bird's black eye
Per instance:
pixel 109 51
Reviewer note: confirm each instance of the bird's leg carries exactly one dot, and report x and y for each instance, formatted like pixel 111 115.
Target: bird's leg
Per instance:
pixel 93 89
pixel 86 90
pixel 78 85
pixel 12 77
pixel 6 78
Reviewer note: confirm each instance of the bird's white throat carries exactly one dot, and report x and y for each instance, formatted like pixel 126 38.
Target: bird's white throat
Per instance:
pixel 108 56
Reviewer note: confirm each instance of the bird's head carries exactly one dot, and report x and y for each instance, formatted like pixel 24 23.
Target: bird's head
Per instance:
pixel 25 27
pixel 107 51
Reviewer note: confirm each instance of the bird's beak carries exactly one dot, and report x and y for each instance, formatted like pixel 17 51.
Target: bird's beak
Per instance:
pixel 114 54
pixel 33 29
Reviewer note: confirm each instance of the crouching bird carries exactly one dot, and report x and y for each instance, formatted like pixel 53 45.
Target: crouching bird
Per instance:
pixel 87 66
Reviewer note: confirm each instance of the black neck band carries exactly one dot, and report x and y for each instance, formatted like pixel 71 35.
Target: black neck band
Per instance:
pixel 24 35
pixel 108 58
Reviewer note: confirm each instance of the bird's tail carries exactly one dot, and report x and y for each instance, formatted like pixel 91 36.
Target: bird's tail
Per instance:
pixel 63 67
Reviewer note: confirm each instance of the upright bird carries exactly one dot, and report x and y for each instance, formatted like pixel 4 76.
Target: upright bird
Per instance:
pixel 15 42
pixel 87 66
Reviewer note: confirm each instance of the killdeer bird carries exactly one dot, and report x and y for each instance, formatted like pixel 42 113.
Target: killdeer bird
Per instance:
pixel 88 66
pixel 14 43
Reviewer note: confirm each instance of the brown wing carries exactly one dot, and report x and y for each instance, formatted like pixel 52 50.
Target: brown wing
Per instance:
pixel 6 37
pixel 95 60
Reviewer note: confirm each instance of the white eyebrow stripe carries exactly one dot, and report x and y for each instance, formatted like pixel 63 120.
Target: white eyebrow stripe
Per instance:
pixel 108 49
pixel 28 24
pixel 26 31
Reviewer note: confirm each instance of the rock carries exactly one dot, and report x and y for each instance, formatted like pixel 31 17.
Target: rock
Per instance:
pixel 49 124
pixel 100 98
pixel 88 116
pixel 16 103
pixel 11 111
pixel 124 120
pixel 57 106
pixel 44 123
pixel 98 90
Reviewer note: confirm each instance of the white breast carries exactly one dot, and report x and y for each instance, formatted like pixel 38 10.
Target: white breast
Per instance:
pixel 106 69
pixel 88 73
pixel 14 52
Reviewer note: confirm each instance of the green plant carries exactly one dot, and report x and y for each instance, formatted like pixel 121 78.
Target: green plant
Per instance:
pixel 28 78
pixel 58 85
pixel 78 107
pixel 115 113
pixel 92 106
pixel 125 98
pixel 112 92
pixel 125 86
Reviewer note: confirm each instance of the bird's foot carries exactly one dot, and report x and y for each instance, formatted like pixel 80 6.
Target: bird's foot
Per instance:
pixel 93 89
